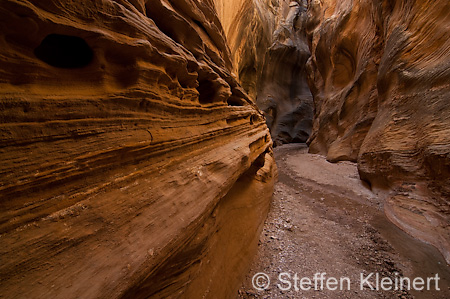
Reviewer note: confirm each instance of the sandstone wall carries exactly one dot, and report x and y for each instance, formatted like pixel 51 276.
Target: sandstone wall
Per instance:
pixel 133 163
pixel 380 72
pixel 269 49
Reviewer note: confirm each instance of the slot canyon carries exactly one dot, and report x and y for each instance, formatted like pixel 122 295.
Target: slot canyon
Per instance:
pixel 181 148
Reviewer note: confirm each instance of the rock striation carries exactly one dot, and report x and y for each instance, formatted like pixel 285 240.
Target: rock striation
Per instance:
pixel 269 49
pixel 133 163
pixel 379 73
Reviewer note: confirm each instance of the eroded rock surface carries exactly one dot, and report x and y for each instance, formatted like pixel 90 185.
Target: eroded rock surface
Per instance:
pixel 133 163
pixel 269 48
pixel 379 73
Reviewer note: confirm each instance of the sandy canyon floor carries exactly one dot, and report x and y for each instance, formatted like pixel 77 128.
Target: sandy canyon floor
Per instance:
pixel 324 220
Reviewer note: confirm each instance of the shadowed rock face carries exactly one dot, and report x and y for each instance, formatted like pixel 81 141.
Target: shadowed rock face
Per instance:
pixel 133 163
pixel 269 48
pixel 379 74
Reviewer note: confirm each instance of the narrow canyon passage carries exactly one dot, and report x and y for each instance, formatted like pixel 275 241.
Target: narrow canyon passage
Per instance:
pixel 137 143
pixel 323 220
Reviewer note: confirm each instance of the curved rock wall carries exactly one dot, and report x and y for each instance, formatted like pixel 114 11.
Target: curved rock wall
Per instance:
pixel 133 163
pixel 379 73
pixel 269 48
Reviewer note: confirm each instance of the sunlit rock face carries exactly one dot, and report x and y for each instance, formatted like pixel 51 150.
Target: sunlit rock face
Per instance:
pixel 133 163
pixel 269 49
pixel 379 73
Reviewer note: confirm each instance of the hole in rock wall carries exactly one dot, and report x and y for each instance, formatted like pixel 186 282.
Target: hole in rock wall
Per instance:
pixel 206 91
pixel 235 101
pixel 64 51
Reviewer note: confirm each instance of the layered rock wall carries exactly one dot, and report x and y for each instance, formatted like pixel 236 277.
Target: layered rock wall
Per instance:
pixel 379 73
pixel 133 163
pixel 269 49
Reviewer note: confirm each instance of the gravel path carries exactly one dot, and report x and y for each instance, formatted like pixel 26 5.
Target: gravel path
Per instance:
pixel 324 222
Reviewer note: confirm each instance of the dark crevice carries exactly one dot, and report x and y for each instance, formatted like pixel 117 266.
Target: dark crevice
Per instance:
pixel 200 25
pixel 254 118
